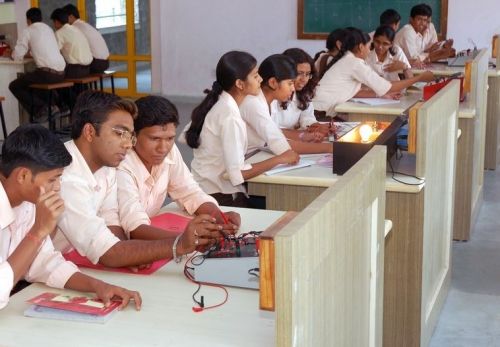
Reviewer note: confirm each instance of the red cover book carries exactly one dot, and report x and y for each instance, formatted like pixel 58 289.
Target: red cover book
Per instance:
pixel 167 221
pixel 82 304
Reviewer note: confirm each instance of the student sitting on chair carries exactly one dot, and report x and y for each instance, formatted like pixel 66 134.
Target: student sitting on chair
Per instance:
pixel 387 59
pixel 73 45
pixel 418 39
pixel 98 47
pixel 350 71
pixel 389 17
pixel 39 42
pixel 103 132
pixel 296 117
pixel 218 134
pixel 322 59
pixel 278 74
pixel 33 160
pixel 154 168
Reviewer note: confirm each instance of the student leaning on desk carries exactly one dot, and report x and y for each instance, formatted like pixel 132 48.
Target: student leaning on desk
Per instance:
pixel 419 41
pixel 218 134
pixel 33 160
pixel 154 169
pixel 103 132
pixel 349 71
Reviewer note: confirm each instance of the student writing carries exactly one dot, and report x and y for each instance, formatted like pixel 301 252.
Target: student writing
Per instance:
pixel 218 134
pixel 278 74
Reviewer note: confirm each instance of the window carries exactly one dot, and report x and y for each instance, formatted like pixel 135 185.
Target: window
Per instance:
pixel 112 13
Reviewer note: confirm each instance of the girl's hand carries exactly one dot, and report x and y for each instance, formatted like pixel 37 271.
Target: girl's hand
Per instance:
pixel 396 65
pixel 289 157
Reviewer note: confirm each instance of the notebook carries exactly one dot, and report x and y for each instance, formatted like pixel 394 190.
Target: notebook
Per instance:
pixel 375 101
pixel 285 167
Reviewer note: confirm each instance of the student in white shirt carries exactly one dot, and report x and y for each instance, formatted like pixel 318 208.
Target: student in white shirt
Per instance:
pixel 154 168
pixel 39 41
pixel 73 45
pixel 322 59
pixel 278 74
pixel 103 132
pixel 296 117
pixel 33 160
pixel 344 79
pixel 98 46
pixel 418 38
pixel 218 135
pixel 386 59
pixel 389 17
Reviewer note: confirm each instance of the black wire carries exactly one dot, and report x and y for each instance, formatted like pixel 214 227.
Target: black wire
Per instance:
pixel 404 174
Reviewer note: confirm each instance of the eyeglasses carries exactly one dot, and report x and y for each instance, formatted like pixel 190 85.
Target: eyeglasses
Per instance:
pixel 303 74
pixel 125 135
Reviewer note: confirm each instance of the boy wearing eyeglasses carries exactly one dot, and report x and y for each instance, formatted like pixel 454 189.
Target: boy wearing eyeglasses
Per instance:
pixel 33 160
pixel 103 133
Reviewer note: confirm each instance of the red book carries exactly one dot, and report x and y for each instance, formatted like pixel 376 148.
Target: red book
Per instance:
pixel 81 304
pixel 167 221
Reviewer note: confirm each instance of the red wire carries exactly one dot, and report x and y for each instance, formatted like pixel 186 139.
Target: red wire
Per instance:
pixel 190 277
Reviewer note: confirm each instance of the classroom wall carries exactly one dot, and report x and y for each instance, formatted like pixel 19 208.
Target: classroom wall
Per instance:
pixel 7 13
pixel 476 19
pixel 195 33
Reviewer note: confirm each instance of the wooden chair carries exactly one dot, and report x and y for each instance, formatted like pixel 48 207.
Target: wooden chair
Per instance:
pixel 49 87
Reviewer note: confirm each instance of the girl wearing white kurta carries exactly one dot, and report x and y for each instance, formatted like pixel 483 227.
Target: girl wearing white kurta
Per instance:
pixel 296 117
pixel 278 73
pixel 349 71
pixel 218 134
pixel 386 59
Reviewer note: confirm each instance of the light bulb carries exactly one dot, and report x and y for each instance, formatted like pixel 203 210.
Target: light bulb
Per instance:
pixel 365 131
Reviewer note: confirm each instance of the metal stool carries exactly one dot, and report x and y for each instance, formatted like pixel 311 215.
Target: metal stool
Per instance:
pixel 106 74
pixel 47 87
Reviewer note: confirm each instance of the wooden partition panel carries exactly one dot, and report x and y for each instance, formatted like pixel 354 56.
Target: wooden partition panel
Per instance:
pixel 436 157
pixel 329 263
pixel 470 161
pixel 479 92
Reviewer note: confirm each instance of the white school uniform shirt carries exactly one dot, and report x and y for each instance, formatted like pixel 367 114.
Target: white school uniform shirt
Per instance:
pixel 261 129
pixel 223 144
pixel 39 39
pixel 141 194
pixel 73 45
pixel 90 205
pixel 343 80
pixel 48 266
pixel 414 44
pixel 98 46
pixel 293 117
pixel 378 66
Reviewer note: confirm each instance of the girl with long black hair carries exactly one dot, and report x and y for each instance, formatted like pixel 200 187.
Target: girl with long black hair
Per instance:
pixel 218 135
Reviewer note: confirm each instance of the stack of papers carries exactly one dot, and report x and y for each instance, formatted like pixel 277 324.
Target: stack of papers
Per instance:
pixel 284 167
pixel 375 101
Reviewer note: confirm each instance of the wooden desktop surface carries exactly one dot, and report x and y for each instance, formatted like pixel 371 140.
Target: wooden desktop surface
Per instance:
pixel 166 318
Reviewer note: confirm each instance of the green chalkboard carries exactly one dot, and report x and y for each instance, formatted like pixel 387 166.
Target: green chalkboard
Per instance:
pixel 317 18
